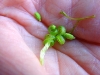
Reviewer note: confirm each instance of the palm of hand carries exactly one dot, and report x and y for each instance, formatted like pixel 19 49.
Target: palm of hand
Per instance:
pixel 21 40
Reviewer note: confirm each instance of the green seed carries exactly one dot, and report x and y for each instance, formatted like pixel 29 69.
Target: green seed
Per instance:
pixel 53 30
pixel 52 27
pixel 69 36
pixel 60 39
pixel 50 36
pixel 61 30
pixel 37 16
pixel 50 41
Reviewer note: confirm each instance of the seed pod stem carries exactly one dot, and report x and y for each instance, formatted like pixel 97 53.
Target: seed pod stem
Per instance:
pixel 42 53
pixel 78 19
pixel 74 27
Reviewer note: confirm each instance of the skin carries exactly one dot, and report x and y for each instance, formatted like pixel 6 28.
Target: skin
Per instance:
pixel 21 37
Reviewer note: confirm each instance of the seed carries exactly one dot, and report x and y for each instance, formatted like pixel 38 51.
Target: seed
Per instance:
pixel 37 16
pixel 69 36
pixel 60 39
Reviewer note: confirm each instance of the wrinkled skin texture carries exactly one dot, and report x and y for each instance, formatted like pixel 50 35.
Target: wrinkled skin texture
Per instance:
pixel 21 37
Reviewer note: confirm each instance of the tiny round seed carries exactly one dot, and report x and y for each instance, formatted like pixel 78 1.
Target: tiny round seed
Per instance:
pixel 69 36
pixel 53 30
pixel 49 40
pixel 50 36
pixel 60 39
pixel 61 30
pixel 37 16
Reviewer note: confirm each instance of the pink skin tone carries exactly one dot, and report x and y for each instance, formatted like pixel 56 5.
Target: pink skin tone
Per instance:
pixel 21 37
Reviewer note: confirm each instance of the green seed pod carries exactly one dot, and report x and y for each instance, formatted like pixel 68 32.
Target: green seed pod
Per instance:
pixel 52 27
pixel 50 36
pixel 53 30
pixel 61 30
pixel 69 36
pixel 49 40
pixel 37 16
pixel 60 39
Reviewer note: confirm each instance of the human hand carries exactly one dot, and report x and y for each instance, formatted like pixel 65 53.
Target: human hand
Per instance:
pixel 22 35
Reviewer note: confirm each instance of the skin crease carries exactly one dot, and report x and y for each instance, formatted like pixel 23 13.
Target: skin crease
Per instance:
pixel 21 37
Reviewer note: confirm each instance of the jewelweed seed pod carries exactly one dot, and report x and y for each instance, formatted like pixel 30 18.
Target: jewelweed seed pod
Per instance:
pixel 52 27
pixel 37 16
pixel 60 39
pixel 61 30
pixel 69 36
pixel 53 30
pixel 50 36
pixel 50 41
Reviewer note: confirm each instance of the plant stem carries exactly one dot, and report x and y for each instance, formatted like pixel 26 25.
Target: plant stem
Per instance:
pixel 74 27
pixel 78 19
pixel 43 51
